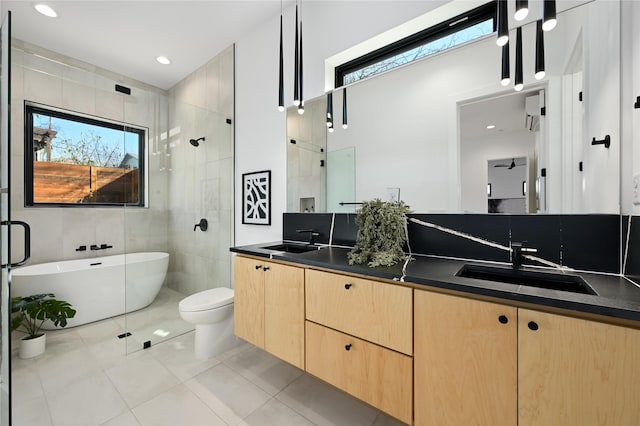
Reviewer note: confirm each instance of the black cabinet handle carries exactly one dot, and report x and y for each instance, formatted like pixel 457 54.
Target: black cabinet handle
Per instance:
pixel 258 267
pixel 533 325
pixel 503 319
pixel 347 347
pixel 348 286
pixel 265 268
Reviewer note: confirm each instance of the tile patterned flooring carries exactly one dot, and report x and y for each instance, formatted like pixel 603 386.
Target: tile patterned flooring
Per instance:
pixel 86 378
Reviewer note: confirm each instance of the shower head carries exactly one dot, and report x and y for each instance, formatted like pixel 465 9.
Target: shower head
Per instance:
pixel 196 142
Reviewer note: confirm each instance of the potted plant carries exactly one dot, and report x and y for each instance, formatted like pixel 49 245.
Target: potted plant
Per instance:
pixel 29 313
pixel 381 233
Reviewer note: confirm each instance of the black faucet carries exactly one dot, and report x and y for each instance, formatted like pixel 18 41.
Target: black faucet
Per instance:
pixel 82 248
pixel 517 250
pixel 99 247
pixel 312 234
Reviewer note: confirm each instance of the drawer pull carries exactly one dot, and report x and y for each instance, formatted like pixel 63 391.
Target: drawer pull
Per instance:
pixel 347 347
pixel 258 266
pixel 348 286
pixel 532 325
pixel 266 268
pixel 503 319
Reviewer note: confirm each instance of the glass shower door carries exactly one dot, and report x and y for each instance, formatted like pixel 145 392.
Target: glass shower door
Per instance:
pixel 5 311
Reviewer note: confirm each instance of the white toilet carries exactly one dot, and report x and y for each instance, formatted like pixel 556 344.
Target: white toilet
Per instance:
pixel 212 313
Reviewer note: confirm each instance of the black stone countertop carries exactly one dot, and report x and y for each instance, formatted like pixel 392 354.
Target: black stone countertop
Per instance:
pixel 616 297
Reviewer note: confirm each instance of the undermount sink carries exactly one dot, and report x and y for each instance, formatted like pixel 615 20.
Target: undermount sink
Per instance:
pixel 293 247
pixel 547 280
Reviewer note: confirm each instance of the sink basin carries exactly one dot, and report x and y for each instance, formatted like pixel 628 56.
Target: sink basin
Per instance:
pixel 293 248
pixel 548 280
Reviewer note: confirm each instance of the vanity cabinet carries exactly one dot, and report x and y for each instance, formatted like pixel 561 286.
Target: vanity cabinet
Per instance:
pixel 376 375
pixel 465 356
pixel 576 371
pixel 374 311
pixel 483 363
pixel 269 307
pixel 359 338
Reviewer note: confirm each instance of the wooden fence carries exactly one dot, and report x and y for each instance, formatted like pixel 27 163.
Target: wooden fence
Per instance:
pixel 69 183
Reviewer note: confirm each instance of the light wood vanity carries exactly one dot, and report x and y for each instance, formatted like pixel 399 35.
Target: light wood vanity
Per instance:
pixel 430 358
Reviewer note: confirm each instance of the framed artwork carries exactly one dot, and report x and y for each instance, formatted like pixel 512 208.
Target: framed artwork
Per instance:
pixel 256 198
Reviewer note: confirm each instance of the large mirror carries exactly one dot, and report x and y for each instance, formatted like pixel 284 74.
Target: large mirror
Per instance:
pixel 431 130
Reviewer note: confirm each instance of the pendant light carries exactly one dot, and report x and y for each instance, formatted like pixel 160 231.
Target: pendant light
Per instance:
pixel 549 15
pixel 281 70
pixel 506 73
pixel 300 68
pixel 522 10
pixel 344 108
pixel 503 23
pixel 329 109
pixel 518 79
pixel 296 85
pixel 539 51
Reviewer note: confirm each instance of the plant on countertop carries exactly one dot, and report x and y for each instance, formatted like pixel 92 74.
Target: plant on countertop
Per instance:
pixel 381 233
pixel 30 312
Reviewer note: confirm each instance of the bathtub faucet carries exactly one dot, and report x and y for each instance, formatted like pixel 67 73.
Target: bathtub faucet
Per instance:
pixel 100 247
pixel 82 248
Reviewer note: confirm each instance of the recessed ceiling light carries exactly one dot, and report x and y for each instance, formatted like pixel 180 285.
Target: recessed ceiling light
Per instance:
pixel 46 10
pixel 491 126
pixel 163 60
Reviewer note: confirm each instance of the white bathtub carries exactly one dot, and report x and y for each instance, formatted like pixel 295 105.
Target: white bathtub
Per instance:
pixel 96 287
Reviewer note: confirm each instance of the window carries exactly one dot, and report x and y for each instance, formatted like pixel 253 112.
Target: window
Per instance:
pixel 76 160
pixel 455 31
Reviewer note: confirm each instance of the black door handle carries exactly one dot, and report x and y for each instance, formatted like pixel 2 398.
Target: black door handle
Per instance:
pixel 27 240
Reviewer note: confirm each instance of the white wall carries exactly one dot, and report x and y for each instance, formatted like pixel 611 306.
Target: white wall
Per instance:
pixel 329 28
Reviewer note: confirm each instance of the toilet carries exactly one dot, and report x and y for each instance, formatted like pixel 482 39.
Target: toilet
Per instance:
pixel 212 313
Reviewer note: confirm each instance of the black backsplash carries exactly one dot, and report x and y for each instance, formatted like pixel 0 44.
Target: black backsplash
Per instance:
pixel 632 263
pixel 582 242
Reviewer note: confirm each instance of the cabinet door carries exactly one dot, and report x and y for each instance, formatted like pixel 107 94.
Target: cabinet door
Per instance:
pixel 376 375
pixel 465 361
pixel 576 372
pixel 374 311
pixel 284 312
pixel 248 310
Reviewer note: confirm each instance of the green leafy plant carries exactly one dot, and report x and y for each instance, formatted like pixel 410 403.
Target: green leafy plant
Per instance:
pixel 381 234
pixel 30 312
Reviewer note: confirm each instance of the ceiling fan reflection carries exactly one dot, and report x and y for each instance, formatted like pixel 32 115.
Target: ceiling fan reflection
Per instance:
pixel 510 166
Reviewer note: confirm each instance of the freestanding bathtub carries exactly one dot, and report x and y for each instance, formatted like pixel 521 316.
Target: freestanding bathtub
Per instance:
pixel 99 287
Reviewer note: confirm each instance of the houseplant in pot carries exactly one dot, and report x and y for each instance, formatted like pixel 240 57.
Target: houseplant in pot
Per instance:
pixel 29 313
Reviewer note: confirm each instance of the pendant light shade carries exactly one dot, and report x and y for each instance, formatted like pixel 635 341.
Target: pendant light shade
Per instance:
pixel 503 23
pixel 539 51
pixel 518 79
pixel 296 85
pixel 506 73
pixel 522 10
pixel 344 108
pixel 300 68
pixel 549 15
pixel 330 109
pixel 281 73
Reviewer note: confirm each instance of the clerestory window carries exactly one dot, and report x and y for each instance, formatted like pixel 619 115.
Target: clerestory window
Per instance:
pixel 458 30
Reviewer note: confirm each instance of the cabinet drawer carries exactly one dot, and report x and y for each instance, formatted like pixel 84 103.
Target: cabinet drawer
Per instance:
pixel 378 312
pixel 376 375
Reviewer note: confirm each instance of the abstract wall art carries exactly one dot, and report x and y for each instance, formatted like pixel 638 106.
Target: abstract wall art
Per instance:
pixel 256 198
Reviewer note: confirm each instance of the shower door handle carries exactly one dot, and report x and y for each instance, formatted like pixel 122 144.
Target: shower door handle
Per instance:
pixel 27 240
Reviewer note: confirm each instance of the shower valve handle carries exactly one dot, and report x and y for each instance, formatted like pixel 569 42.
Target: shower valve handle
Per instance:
pixel 203 225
